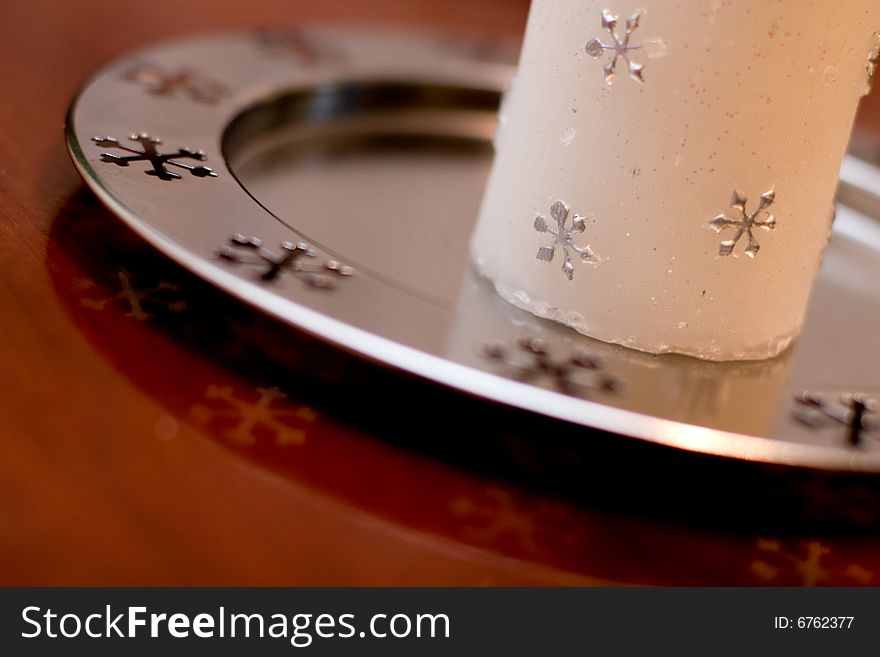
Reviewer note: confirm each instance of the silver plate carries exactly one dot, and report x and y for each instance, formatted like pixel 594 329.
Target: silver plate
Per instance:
pixel 373 148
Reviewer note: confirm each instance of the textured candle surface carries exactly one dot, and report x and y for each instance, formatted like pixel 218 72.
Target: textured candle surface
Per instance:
pixel 681 200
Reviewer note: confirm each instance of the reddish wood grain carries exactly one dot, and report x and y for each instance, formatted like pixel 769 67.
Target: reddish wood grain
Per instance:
pixel 113 469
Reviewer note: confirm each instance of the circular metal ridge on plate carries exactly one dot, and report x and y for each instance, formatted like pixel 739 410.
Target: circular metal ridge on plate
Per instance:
pixel 331 178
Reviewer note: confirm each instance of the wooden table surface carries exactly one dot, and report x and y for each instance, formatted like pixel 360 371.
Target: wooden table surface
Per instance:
pixel 143 439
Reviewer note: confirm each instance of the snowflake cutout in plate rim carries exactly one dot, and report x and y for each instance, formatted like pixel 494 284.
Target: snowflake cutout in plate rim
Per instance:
pixel 563 238
pixel 745 224
pixel 859 413
pixel 535 362
pixel 159 81
pixel 298 44
pixel 151 154
pixel 621 48
pixel 244 250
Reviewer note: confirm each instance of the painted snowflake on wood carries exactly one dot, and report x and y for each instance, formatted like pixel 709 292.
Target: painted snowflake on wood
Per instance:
pixel 501 517
pixel 804 565
pixel 141 302
pixel 241 421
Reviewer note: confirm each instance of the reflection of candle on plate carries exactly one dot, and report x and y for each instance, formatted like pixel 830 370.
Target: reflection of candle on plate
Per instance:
pixel 665 179
pixel 739 397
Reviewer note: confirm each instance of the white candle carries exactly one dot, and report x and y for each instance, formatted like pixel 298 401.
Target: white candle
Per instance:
pixel 690 152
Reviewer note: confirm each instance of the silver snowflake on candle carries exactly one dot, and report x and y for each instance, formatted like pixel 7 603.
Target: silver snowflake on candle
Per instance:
pixel 563 238
pixel 621 47
pixel 745 223
pixel 873 62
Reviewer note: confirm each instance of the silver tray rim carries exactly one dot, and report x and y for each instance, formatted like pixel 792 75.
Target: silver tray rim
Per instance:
pixel 483 384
